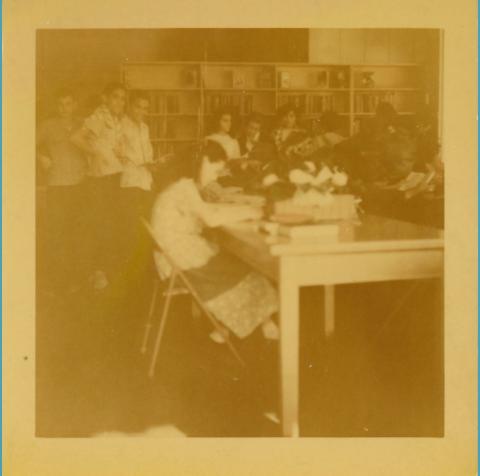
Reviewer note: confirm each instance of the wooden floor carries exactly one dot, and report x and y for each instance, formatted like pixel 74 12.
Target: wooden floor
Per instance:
pixel 374 378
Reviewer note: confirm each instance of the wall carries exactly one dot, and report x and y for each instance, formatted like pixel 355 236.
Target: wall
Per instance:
pixel 374 46
pixel 87 59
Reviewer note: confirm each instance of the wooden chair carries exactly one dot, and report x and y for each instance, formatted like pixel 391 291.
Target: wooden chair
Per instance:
pixel 176 275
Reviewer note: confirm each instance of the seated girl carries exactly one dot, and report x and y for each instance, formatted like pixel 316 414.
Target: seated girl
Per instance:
pixel 238 297
pixel 286 128
pixel 222 128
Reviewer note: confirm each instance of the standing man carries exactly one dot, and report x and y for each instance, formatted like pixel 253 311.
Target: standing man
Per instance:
pixel 136 186
pixel 65 168
pixel 101 138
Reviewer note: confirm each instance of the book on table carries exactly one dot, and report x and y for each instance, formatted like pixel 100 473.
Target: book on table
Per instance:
pixel 302 232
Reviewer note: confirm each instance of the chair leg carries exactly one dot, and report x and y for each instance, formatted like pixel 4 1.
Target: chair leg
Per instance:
pixel 148 325
pixel 196 311
pixel 161 329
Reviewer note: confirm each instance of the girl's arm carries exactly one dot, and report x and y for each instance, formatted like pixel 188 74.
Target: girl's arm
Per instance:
pixel 214 215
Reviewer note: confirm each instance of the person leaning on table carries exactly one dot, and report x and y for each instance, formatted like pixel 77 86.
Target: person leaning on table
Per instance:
pixel 240 298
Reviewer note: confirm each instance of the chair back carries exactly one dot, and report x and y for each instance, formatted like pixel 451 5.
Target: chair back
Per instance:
pixel 159 248
pixel 175 268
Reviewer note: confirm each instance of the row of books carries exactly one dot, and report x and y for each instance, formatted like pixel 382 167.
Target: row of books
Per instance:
pixel 172 129
pixel 161 149
pixel 164 103
pixel 238 104
pixel 368 102
pixel 237 79
pixel 313 104
pixel 334 78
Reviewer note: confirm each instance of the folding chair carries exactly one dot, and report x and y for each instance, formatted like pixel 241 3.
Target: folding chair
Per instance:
pixel 187 288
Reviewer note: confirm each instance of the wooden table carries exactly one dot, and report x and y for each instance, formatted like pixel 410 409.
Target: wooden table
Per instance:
pixel 369 250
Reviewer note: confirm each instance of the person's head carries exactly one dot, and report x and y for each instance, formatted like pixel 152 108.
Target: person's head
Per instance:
pixel 66 103
pixel 223 121
pixel 287 116
pixel 114 97
pixel 330 121
pixel 398 153
pixel 253 127
pixel 139 104
pixel 204 163
pixel 213 159
pixel 385 115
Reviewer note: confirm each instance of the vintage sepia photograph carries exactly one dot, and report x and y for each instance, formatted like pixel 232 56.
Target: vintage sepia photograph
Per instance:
pixel 239 233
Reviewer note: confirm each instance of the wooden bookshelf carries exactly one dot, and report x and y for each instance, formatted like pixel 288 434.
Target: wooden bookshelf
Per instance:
pixel 185 95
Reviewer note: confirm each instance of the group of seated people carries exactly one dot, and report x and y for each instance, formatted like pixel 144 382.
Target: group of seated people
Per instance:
pixel 102 177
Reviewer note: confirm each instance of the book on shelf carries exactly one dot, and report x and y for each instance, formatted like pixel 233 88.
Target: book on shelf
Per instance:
pixel 264 80
pixel 190 78
pixel 159 104
pixel 238 79
pixel 322 79
pixel 171 130
pixel 298 101
pixel 284 79
pixel 338 78
pixel 320 103
pixel 155 127
pixel 238 104
pixel 368 102
pixel 172 104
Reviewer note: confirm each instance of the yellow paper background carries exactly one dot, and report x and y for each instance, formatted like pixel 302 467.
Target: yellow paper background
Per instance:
pixel 453 455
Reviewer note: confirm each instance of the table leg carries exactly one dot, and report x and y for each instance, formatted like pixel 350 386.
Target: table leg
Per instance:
pixel 329 310
pixel 289 349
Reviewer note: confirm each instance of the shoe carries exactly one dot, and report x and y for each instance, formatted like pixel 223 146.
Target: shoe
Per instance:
pixel 219 337
pixel 270 330
pixel 99 280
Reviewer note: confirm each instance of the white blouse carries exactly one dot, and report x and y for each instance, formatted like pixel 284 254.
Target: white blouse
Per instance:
pixel 179 217
pixel 230 145
pixel 138 152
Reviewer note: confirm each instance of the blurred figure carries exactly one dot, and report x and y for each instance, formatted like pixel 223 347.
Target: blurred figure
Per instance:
pixel 222 133
pixel 238 297
pixel 136 187
pixel 65 168
pixel 101 137
pixel 327 132
pixel 287 125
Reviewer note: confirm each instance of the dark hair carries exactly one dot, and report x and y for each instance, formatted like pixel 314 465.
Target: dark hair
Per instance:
pixel 255 117
pixel 138 96
pixel 64 92
pixel 112 87
pixel 385 114
pixel 214 151
pixel 187 161
pixel 282 111
pixel 218 114
pixel 330 121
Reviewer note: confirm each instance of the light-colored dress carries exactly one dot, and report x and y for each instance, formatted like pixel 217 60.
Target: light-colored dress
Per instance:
pixel 238 297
